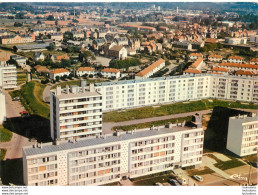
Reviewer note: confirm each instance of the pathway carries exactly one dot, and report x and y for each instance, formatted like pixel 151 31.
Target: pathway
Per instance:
pixel 107 127
pixel 46 93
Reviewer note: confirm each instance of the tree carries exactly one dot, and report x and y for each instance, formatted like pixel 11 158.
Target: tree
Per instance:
pixel 12 62
pixel 19 16
pixel 91 76
pixel 57 78
pixel 38 22
pixel 51 46
pixel 18 24
pixel 51 18
pixel 86 55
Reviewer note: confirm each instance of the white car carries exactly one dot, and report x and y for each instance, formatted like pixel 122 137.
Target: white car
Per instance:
pixel 198 177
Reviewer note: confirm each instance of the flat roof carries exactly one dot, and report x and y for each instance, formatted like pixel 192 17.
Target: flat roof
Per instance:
pixel 245 118
pixel 87 142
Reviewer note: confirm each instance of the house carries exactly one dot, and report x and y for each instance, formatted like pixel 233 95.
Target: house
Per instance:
pixel 41 69
pixel 14 39
pixel 159 46
pixel 210 40
pixel 19 59
pixel 57 36
pixel 215 58
pixel 246 73
pixel 150 70
pixel 232 67
pixel 78 34
pixel 235 59
pixel 111 72
pixel 56 58
pixel 131 52
pixel 85 70
pixel 254 61
pixel 98 43
pixel 121 41
pixel 192 71
pixel 38 56
pixel 194 56
pixel 58 72
pixel 182 45
pixel 118 52
pixel 197 64
pixel 220 70
pixel 134 43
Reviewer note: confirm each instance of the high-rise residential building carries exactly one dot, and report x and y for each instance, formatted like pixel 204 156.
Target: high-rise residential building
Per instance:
pixel 8 77
pixel 110 158
pixel 2 107
pixel 75 112
pixel 243 135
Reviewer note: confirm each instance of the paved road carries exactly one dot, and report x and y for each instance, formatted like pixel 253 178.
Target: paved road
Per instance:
pixel 108 126
pixel 46 93
pixel 14 147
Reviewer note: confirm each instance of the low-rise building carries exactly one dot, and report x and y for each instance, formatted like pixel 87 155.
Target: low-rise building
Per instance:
pixel 242 135
pixel 58 72
pixel 150 70
pixel 118 52
pixel 8 77
pixel 219 70
pixel 198 64
pixel 38 56
pixel 57 36
pixel 85 70
pixel 111 72
pixel 254 61
pixel 195 56
pixel 236 41
pixel 235 59
pixel 215 58
pixel 20 60
pixel 78 35
pixel 41 69
pixel 14 39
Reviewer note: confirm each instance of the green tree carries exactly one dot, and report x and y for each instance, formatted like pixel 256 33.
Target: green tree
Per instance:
pixel 51 47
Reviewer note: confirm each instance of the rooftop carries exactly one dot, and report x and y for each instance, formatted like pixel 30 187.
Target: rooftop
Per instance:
pixel 150 68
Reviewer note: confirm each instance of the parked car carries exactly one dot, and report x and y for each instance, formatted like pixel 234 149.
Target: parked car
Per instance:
pixel 198 177
pixel 24 114
pixel 16 99
pixel 181 180
pixel 158 184
pixel 174 182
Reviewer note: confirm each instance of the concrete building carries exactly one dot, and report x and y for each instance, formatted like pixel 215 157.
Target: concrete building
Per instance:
pixel 20 60
pixel 146 92
pixel 2 107
pixel 150 70
pixel 215 58
pixel 243 135
pixel 254 39
pixel 8 77
pixel 85 70
pixel 58 72
pixel 235 59
pixel 195 56
pixel 38 56
pixel 236 41
pixel 118 52
pixel 75 112
pixel 110 158
pixel 111 72
pixel 57 36
pixel 14 39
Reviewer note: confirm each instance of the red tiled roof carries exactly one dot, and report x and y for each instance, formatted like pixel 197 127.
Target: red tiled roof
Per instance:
pixel 238 65
pixel 59 70
pixel 196 54
pixel 254 60
pixel 241 72
pixel 220 69
pixel 85 69
pixel 194 71
pixel 110 70
pixel 197 63
pixel 150 68
pixel 236 57
pixel 214 56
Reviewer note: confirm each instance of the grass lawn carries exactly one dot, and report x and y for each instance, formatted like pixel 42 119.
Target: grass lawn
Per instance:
pixel 5 134
pixel 224 165
pixel 205 170
pixel 21 77
pixel 3 152
pixel 152 180
pixel 163 110
pixel 31 98
pixel 150 124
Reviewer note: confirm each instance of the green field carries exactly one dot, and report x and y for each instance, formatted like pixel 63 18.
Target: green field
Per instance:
pixel 176 108
pixel 224 165
pixel 5 134
pixel 205 170
pixel 21 78
pixel 153 123
pixel 31 98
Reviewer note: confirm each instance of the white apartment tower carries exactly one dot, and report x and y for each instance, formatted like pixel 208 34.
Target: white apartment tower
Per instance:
pixel 8 77
pixel 243 135
pixel 75 112
pixel 107 159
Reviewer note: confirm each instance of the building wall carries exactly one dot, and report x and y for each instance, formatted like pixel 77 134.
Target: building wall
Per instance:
pixel 2 108
pixel 8 77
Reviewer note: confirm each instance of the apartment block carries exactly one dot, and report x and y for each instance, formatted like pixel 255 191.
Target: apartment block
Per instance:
pixel 110 158
pixel 2 107
pixel 8 77
pixel 163 90
pixel 243 135
pixel 75 112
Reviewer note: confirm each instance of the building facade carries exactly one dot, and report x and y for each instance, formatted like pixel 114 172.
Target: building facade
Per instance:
pixel 2 107
pixel 107 159
pixel 243 135
pixel 75 112
pixel 8 77
pixel 150 70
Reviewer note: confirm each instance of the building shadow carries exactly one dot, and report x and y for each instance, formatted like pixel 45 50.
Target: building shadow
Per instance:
pixel 11 171
pixel 215 137
pixel 33 127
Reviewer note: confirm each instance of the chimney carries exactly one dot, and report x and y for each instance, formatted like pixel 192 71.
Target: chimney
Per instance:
pixel 58 90
pixel 170 125
pixel 67 89
pixel 183 123
pixel 92 88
